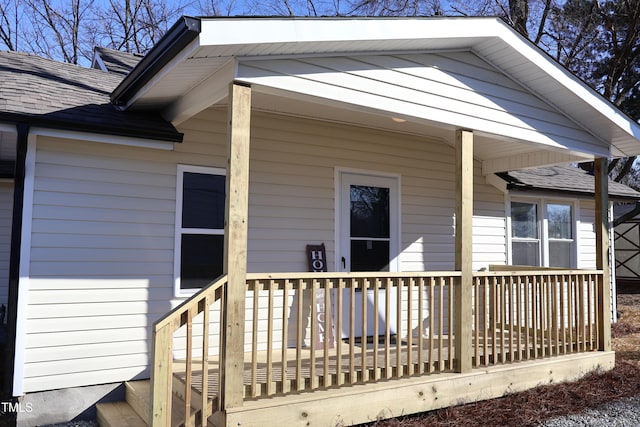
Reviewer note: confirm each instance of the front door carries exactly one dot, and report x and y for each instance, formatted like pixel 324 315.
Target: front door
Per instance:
pixel 369 240
pixel 368 222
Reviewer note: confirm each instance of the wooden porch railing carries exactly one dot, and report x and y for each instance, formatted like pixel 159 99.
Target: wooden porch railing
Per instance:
pixel 404 329
pixel 526 315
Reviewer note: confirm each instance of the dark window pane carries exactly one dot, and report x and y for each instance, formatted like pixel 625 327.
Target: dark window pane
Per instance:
pixel 560 253
pixel 524 220
pixel 369 255
pixel 525 253
pixel 369 211
pixel 201 257
pixel 203 200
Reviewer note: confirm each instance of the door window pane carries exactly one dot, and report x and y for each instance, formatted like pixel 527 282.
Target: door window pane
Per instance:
pixel 369 211
pixel 369 255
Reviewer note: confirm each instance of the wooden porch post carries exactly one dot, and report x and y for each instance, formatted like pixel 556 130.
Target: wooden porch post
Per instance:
pixel 235 247
pixel 463 242
pixel 602 251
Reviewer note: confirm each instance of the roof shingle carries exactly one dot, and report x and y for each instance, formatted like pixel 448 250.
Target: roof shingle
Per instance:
pixel 54 94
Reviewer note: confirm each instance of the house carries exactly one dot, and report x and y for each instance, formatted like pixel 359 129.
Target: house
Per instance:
pixel 165 221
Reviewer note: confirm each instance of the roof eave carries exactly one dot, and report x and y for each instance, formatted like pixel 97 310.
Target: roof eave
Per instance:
pixel 177 38
pixel 159 135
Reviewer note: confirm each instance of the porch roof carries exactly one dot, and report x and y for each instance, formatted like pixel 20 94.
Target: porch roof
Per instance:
pixel 190 69
pixel 563 179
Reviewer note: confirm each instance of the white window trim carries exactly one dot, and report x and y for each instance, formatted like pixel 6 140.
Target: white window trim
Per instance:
pixel 179 231
pixel 543 226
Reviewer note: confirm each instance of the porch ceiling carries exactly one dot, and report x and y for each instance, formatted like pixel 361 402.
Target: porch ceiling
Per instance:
pixel 198 75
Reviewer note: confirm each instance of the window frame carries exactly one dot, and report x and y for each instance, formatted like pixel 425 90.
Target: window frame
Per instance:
pixel 180 230
pixel 543 227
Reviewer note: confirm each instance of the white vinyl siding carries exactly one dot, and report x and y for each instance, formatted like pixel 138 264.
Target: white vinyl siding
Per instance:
pixel 102 257
pixel 586 234
pixel 459 89
pixel 6 215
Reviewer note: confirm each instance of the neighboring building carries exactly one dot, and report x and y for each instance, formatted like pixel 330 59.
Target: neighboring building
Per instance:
pixel 384 139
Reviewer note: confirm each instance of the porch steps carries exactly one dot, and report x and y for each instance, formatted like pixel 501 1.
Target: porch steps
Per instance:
pixel 135 410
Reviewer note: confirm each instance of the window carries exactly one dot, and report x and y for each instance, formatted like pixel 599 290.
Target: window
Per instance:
pixel 199 244
pixel 542 233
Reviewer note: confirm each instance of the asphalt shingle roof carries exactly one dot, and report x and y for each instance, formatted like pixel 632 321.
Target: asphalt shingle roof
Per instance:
pixel 117 62
pixel 563 178
pixel 66 96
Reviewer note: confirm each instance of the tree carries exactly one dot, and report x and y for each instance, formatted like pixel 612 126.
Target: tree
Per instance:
pixel 134 26
pixel 9 20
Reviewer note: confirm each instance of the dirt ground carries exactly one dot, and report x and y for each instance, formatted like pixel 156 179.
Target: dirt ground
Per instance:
pixel 532 407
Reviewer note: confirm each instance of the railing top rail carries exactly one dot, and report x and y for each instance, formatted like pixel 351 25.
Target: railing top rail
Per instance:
pixel 532 272
pixel 190 303
pixel 349 275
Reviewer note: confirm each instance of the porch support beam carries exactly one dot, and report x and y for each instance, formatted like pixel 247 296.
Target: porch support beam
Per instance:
pixel 235 247
pixel 602 251
pixel 463 256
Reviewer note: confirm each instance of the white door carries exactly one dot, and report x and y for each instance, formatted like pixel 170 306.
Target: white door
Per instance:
pixel 369 228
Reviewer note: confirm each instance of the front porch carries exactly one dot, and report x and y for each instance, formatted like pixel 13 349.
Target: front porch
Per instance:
pixel 527 328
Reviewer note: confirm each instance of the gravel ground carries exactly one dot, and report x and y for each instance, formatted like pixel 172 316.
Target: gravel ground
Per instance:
pixel 619 413
pixel 75 424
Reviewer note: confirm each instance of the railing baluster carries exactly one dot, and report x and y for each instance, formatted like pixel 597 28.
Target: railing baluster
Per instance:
pixel 255 390
pixel 399 364
pixel 270 347
pixel 590 313
pixel 286 384
pixel 204 403
pixel 364 337
pixel 376 325
pixel 338 331
pixel 409 328
pixel 493 290
pixel 486 301
pixel 326 381
pixel 314 333
pixel 420 327
pixel 353 375
pixel 387 328
pixel 188 369
pixel 451 312
pixel 432 330
pixel 503 319
pixel 512 322
pixel 300 384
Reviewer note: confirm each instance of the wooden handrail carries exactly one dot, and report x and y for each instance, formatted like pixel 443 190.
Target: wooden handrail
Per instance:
pixel 162 354
pixel 194 302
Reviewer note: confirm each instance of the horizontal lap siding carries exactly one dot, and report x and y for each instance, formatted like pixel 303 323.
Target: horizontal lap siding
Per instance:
pixel 101 259
pixel 455 88
pixel 6 214
pixel 103 229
